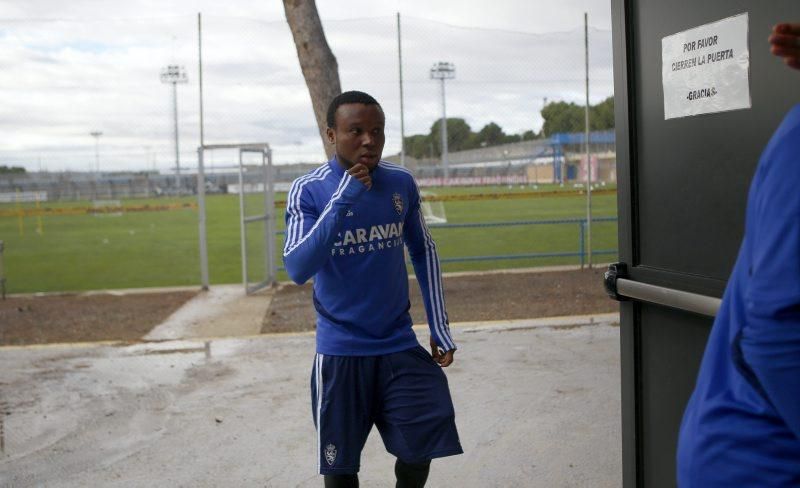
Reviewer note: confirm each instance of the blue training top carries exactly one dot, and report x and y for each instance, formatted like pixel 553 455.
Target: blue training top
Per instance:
pixel 351 240
pixel 742 424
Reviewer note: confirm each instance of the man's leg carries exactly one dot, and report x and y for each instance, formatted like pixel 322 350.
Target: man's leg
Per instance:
pixel 416 418
pixel 341 481
pixel 411 475
pixel 341 399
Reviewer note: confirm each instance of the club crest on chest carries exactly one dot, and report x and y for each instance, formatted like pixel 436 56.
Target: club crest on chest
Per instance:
pixel 397 201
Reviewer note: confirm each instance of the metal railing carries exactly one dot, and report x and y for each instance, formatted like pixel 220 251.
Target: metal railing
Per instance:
pixel 581 244
pixel 2 272
pixel 581 252
pixel 679 299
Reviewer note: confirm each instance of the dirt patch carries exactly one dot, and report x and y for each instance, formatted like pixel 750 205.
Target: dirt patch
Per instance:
pixel 79 318
pixel 501 296
pixel 86 318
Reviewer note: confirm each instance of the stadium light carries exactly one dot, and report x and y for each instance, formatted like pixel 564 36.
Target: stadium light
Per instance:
pixel 174 74
pixel 96 134
pixel 444 71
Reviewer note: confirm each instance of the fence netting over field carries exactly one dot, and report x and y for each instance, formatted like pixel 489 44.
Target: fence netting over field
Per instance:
pixel 103 203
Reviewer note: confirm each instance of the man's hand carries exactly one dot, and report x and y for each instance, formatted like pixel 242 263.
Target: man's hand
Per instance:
pixel 361 173
pixel 785 43
pixel 444 359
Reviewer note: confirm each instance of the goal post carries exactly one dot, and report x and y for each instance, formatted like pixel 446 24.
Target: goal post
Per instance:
pixel 432 211
pixel 256 192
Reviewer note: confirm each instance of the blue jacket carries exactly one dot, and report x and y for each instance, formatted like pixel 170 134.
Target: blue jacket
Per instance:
pixel 742 424
pixel 350 240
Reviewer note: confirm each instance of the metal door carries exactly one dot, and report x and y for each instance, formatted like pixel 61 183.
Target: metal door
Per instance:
pixel 257 212
pixel 682 193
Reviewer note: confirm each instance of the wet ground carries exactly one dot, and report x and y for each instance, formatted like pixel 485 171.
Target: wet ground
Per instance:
pixel 537 404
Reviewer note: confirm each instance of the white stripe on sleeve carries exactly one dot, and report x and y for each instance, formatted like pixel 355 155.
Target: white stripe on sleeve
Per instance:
pixel 295 224
pixel 336 196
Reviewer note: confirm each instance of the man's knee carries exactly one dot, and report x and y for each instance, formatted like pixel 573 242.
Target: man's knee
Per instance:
pixel 341 481
pixel 411 475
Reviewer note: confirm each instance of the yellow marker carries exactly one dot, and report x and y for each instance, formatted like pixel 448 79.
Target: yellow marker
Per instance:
pixel 19 214
pixel 39 228
pixel 32 212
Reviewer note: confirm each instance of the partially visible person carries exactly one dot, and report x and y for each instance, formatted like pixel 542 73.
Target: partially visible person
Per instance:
pixel 742 424
pixel 785 42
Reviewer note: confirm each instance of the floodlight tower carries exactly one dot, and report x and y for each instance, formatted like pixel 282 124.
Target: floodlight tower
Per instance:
pixel 96 134
pixel 444 71
pixel 174 74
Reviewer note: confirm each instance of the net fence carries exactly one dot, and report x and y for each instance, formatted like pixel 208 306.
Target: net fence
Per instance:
pixel 89 117
pixel 65 79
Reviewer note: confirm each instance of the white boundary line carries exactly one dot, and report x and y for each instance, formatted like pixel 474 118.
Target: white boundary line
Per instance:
pixel 464 327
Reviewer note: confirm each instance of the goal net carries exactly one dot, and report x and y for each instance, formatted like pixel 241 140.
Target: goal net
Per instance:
pixel 432 211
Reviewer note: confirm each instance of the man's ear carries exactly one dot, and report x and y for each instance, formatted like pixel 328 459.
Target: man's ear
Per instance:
pixel 331 135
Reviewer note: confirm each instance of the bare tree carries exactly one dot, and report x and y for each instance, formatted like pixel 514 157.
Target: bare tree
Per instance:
pixel 317 61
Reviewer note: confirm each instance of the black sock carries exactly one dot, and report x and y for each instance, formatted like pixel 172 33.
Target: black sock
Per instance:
pixel 411 475
pixel 341 481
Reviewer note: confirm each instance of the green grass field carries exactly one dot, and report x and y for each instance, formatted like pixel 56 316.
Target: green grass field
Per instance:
pixel 145 249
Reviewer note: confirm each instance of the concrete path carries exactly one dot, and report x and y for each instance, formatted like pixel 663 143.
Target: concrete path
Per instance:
pixel 537 403
pixel 223 310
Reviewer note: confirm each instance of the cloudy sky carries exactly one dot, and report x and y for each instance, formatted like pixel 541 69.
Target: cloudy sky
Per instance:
pixel 70 68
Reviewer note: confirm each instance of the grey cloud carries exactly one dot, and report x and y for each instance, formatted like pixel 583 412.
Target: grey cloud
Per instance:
pixel 254 90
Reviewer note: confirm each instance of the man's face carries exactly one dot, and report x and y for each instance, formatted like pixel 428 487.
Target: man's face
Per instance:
pixel 358 134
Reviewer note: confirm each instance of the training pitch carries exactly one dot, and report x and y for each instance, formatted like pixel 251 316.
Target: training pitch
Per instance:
pixel 69 250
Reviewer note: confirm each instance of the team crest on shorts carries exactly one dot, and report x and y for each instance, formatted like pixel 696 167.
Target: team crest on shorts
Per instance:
pixel 330 454
pixel 397 201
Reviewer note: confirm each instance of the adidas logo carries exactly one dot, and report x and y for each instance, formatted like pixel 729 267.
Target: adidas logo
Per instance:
pixel 349 213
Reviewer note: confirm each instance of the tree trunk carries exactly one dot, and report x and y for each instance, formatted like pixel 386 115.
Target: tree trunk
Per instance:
pixel 320 69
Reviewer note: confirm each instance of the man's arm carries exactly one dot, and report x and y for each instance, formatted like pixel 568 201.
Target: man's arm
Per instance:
pixel 310 233
pixel 770 340
pixel 425 259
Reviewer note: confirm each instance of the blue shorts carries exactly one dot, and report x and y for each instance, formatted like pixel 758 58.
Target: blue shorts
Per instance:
pixel 405 394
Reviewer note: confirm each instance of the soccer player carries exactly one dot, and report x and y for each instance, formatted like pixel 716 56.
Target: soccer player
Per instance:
pixel 346 225
pixel 742 424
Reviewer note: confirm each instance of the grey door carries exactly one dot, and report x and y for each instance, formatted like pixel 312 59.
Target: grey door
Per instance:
pixel 682 191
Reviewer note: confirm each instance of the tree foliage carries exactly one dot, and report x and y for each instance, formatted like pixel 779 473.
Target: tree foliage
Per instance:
pixel 5 170
pixel 569 117
pixel 491 135
pixel 602 115
pixel 460 137
pixel 558 117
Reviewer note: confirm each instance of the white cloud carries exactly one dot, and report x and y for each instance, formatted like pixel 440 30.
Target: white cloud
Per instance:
pixel 67 68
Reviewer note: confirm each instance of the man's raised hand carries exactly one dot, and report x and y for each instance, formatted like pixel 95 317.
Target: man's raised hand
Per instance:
pixel 361 173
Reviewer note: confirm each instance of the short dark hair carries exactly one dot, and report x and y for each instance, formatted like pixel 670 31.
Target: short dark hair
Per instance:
pixel 344 99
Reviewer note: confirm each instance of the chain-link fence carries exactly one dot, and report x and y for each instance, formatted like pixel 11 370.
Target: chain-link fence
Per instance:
pixel 105 77
pixel 89 112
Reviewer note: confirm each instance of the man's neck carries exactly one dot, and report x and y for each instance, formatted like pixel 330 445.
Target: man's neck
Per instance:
pixel 343 162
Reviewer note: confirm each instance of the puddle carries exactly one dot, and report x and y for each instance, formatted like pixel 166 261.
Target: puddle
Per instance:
pixel 206 350
pixel 2 429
